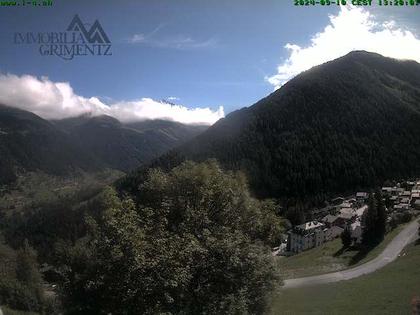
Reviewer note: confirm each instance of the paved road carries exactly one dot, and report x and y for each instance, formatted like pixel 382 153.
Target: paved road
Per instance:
pixel 390 253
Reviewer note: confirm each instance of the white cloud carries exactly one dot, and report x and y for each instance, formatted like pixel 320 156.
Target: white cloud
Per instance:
pixel 352 29
pixel 173 98
pixel 181 42
pixel 137 38
pixel 57 100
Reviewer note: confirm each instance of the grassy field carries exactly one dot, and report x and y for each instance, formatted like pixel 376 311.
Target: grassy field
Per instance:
pixel 386 291
pixel 328 258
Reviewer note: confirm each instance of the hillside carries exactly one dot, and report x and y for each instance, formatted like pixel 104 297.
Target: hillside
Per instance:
pixel 126 146
pixel 343 125
pixel 29 143
pixel 90 144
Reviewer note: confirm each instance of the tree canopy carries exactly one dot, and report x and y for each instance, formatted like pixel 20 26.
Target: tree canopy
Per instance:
pixel 191 241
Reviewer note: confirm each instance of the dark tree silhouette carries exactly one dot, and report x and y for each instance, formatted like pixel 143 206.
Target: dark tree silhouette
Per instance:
pixel 346 238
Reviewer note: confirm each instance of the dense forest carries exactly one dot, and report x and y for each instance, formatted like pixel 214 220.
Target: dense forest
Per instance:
pixel 345 125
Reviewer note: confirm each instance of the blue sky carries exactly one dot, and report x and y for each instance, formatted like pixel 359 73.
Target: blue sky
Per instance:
pixel 204 53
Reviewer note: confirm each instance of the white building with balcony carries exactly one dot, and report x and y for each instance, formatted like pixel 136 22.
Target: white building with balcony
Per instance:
pixel 306 236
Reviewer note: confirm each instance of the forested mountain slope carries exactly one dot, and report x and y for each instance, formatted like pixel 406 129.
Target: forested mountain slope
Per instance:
pixel 29 143
pixel 127 146
pixel 341 126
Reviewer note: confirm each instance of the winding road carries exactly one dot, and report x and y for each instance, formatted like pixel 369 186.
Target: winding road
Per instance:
pixel 390 253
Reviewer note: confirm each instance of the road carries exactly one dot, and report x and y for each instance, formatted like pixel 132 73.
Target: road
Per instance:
pixel 390 253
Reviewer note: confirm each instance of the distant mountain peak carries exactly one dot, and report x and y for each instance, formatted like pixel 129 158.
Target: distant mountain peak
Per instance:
pixel 105 120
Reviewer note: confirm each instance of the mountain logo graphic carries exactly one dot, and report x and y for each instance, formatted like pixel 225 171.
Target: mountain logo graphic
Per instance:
pixel 95 35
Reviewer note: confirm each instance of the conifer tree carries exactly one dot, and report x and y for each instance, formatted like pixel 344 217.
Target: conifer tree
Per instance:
pixel 380 226
pixel 369 222
pixel 346 237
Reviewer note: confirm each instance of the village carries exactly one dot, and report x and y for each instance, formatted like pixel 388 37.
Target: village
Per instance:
pixel 402 202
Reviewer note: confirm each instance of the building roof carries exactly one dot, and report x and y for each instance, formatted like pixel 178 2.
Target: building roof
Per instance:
pixel 346 216
pixel 347 211
pixel 329 218
pixel 308 226
pixel 345 205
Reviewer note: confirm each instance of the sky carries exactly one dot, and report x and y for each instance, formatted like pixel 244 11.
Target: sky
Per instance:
pixel 192 61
